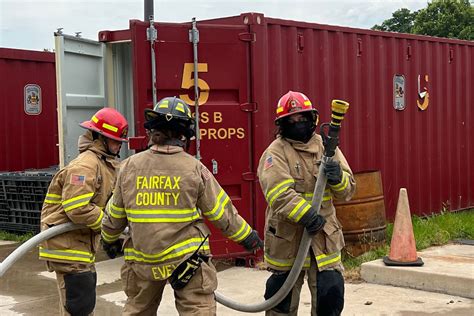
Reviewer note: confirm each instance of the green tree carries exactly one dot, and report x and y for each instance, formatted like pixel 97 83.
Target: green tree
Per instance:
pixel 446 18
pixel 401 21
pixel 443 18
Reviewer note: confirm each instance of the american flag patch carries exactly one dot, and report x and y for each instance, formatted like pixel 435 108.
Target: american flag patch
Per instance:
pixel 78 180
pixel 268 163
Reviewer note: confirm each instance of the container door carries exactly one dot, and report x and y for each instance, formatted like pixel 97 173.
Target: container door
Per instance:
pixel 225 117
pixel 80 73
pixel 225 110
pixel 119 79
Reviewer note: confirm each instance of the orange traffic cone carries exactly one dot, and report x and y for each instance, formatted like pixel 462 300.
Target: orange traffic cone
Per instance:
pixel 402 246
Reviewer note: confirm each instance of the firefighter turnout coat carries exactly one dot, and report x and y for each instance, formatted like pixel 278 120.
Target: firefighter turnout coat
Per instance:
pixel 287 172
pixel 163 195
pixel 78 193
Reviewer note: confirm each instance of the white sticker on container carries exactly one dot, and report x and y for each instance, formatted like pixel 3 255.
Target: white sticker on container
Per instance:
pixel 33 99
pixel 399 92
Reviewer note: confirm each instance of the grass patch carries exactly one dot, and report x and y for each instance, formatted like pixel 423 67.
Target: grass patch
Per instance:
pixel 435 230
pixel 14 237
pixel 440 229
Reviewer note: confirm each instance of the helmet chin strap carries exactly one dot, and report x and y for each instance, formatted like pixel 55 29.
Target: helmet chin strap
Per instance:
pixel 107 149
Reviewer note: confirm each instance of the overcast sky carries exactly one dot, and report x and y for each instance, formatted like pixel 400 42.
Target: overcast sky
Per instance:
pixel 30 24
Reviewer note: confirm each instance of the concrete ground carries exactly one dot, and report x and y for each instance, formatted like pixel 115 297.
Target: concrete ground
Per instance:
pixel 448 269
pixel 27 289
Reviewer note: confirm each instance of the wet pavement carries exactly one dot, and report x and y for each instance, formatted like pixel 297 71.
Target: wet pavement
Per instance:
pixel 24 290
pixel 27 289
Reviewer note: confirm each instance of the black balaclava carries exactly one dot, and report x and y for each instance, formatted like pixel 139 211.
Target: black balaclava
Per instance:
pixel 299 131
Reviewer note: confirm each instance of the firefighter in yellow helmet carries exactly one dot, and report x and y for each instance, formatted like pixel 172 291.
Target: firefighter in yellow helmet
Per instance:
pixel 287 173
pixel 78 193
pixel 164 194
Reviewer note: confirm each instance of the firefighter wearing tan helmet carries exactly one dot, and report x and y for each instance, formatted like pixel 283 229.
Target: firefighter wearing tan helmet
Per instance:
pixel 287 173
pixel 164 194
pixel 78 193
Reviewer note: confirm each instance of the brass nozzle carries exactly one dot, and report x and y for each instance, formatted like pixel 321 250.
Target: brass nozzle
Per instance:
pixel 338 108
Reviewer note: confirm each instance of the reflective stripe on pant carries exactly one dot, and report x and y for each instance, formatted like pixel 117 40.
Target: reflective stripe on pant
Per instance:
pixel 196 298
pixel 62 269
pixel 296 292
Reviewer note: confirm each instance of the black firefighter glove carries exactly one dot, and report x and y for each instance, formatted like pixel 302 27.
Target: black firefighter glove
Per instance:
pixel 312 221
pixel 112 249
pixel 252 242
pixel 333 172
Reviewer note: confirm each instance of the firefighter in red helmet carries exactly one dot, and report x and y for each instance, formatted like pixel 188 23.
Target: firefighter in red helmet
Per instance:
pixel 78 193
pixel 164 195
pixel 287 173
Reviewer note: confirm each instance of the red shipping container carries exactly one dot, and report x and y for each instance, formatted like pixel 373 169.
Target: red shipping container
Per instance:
pixel 410 101
pixel 28 118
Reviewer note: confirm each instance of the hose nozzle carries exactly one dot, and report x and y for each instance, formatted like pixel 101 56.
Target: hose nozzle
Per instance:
pixel 331 140
pixel 339 109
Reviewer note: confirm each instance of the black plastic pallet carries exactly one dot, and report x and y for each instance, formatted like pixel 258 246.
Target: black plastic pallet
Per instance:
pixel 22 216
pixel 21 199
pixel 4 213
pixel 19 228
pixel 2 191
pixel 25 190
pixel 4 208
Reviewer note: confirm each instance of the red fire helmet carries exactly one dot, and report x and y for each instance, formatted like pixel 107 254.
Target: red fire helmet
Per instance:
pixel 108 122
pixel 293 102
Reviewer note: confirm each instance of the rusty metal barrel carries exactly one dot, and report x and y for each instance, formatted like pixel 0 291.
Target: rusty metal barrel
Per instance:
pixel 363 217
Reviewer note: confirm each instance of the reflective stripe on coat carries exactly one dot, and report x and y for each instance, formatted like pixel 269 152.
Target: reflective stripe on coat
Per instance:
pixel 78 193
pixel 287 172
pixel 163 195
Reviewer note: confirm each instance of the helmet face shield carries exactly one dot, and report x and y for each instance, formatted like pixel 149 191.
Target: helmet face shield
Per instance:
pixel 108 122
pixel 150 115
